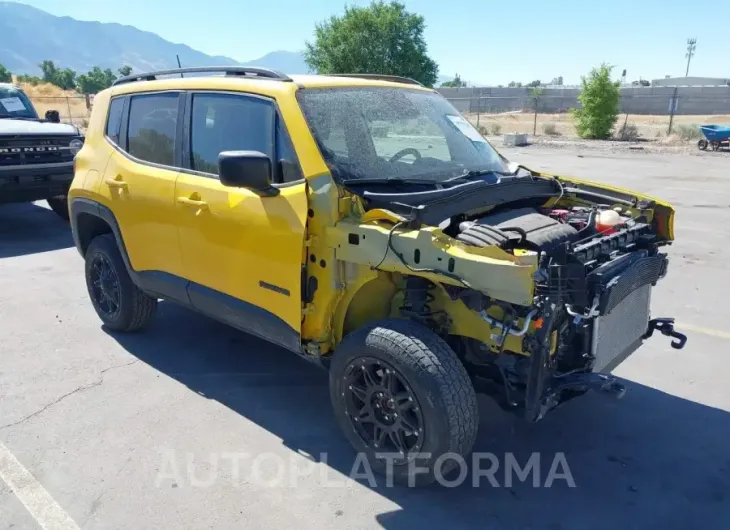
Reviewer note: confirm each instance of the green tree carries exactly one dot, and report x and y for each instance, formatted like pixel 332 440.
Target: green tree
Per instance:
pixel 535 93
pixel 600 98
pixel 49 71
pixel 5 75
pixel 535 83
pixel 95 80
pixel 125 70
pixel 65 78
pixel 514 84
pixel 454 83
pixel 382 38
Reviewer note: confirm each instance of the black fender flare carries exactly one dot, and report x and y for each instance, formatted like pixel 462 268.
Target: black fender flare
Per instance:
pixel 79 206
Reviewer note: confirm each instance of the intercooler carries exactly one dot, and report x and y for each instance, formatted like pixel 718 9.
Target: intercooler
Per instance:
pixel 618 333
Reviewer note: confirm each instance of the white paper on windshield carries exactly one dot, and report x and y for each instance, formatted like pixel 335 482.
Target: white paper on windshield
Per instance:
pixel 466 128
pixel 12 104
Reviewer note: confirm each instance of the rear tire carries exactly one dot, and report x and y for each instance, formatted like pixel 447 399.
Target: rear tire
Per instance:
pixel 433 414
pixel 59 205
pixel 120 304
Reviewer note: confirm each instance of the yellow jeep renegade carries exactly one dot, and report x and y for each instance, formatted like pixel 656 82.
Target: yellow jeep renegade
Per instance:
pixel 361 222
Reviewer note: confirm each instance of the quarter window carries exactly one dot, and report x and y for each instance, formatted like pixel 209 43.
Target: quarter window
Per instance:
pixel 114 121
pixel 152 126
pixel 288 165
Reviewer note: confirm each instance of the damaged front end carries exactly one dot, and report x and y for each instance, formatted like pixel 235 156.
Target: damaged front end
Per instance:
pixel 542 286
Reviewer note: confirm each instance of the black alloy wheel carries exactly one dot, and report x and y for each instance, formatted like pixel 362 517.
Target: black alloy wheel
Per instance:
pixel 105 286
pixel 382 408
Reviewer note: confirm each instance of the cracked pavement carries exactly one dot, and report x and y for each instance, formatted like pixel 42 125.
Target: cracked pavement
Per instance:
pixel 82 388
pixel 98 418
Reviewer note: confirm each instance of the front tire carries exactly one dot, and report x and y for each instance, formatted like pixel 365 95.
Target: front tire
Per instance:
pixel 59 205
pixel 120 304
pixel 404 400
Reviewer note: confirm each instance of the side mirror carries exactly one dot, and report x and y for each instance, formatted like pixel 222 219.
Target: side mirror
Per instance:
pixel 53 116
pixel 246 169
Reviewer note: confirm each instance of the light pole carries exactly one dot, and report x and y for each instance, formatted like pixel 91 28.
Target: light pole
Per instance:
pixel 691 47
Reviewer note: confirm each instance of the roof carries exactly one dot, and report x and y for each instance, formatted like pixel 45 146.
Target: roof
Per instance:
pixel 257 80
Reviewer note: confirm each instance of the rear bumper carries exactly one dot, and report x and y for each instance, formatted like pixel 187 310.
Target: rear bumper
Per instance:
pixel 26 183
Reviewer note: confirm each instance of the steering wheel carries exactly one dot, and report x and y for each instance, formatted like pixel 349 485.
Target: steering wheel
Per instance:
pixel 405 152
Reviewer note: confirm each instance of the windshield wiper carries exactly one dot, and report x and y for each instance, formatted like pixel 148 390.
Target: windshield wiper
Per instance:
pixel 390 181
pixel 479 173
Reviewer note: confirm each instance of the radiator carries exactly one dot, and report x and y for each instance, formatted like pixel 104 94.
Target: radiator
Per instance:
pixel 617 334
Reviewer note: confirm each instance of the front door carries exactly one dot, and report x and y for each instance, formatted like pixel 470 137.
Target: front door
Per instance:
pixel 242 252
pixel 139 185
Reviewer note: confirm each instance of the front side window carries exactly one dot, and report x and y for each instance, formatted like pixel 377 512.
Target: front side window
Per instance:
pixel 394 133
pixel 152 127
pixel 229 122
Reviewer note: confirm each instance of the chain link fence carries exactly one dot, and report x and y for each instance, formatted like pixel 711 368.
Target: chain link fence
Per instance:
pixel 71 109
pixel 646 113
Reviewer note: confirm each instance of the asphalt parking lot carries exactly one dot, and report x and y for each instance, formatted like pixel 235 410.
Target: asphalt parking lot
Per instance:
pixel 99 430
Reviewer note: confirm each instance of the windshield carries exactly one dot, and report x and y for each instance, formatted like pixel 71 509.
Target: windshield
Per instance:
pixel 394 133
pixel 15 104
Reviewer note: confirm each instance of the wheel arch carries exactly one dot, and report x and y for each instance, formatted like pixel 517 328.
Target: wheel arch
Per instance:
pixel 90 219
pixel 368 300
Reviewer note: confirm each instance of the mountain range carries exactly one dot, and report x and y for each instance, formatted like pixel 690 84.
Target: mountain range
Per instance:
pixel 29 35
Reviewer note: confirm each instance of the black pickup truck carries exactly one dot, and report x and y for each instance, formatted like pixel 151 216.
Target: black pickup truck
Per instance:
pixel 36 155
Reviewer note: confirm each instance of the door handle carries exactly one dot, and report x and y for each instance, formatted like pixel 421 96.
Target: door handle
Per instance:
pixel 116 183
pixel 187 201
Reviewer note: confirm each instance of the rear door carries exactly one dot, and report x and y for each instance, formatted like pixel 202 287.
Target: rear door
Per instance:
pixel 139 185
pixel 242 251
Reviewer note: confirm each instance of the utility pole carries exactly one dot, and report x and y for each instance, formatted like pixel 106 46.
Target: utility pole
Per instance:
pixel 691 47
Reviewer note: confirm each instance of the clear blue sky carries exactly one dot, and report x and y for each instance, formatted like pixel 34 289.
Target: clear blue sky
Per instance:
pixel 487 41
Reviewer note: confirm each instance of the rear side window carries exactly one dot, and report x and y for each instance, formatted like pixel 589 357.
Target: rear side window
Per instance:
pixel 114 119
pixel 228 122
pixel 152 127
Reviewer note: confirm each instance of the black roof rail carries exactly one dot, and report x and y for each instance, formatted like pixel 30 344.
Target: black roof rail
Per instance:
pixel 381 77
pixel 232 71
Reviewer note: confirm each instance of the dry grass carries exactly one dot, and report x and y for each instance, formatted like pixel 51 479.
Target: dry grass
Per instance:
pixel 70 104
pixel 648 127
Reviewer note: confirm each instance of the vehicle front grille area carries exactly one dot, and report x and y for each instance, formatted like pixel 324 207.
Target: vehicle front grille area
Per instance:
pixel 35 150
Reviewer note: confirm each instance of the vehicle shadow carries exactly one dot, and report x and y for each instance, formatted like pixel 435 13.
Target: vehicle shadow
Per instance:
pixel 29 229
pixel 651 460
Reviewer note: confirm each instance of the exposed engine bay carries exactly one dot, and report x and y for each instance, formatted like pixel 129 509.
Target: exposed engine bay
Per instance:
pixel 593 256
pixel 598 265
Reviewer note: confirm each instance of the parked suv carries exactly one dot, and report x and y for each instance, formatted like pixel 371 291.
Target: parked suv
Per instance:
pixel 36 155
pixel 362 223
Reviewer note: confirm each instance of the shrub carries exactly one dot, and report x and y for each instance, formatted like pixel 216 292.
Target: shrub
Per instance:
pixel 30 79
pixel 628 132
pixel 483 130
pixel 600 98
pixel 688 132
pixel 496 128
pixel 550 129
